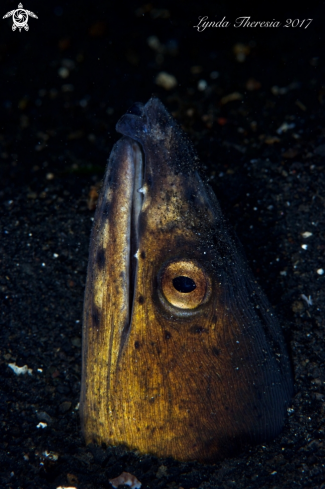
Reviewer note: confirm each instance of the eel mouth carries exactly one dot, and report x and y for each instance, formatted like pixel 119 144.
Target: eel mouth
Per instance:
pixel 135 183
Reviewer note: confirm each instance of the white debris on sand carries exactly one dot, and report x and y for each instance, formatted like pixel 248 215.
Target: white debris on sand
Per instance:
pixel 20 370
pixel 66 487
pixel 202 85
pixel 166 81
pixel 126 479
pixel 41 425
pixel 307 299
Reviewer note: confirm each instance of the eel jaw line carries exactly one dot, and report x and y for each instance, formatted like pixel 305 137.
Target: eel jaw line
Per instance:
pixel 133 229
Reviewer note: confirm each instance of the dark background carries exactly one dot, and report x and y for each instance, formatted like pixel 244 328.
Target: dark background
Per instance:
pixel 64 85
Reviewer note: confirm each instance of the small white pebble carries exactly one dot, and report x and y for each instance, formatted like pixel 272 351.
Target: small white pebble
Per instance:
pixel 41 425
pixel 284 127
pixel 40 370
pixel 63 72
pixel 127 479
pixel 43 264
pixel 202 85
pixel 304 246
pixel 49 176
pixel 51 455
pixel 165 80
pixel 55 255
pixel 320 271
pixel 20 370
pixel 154 43
pixel 66 487
pixel 307 234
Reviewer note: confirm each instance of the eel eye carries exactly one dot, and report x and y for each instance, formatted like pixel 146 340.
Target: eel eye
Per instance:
pixel 184 284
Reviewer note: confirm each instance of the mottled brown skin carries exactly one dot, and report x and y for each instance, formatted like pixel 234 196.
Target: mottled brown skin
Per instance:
pixel 192 382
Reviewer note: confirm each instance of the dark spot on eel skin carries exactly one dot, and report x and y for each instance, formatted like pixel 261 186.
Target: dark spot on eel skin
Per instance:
pixel 141 299
pixel 167 335
pixel 215 351
pixel 198 330
pixel 143 255
pixel 149 180
pixel 190 194
pixel 100 258
pixel 136 345
pixel 106 209
pixel 95 316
